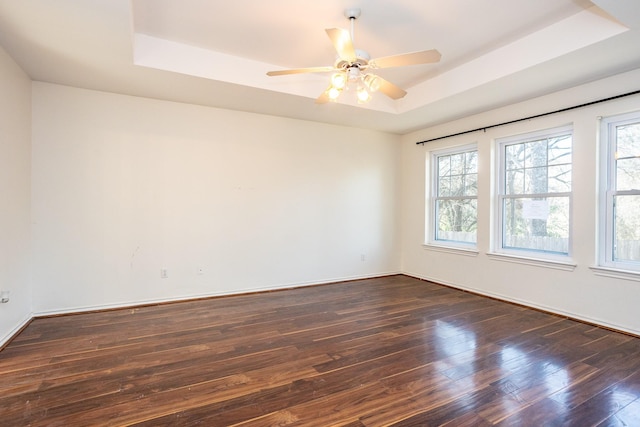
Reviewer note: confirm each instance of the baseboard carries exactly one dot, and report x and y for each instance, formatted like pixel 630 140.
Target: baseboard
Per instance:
pixel 190 297
pixel 104 307
pixel 539 307
pixel 5 340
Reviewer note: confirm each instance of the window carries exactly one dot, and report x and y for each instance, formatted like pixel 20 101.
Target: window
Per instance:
pixel 620 182
pixel 534 194
pixel 454 196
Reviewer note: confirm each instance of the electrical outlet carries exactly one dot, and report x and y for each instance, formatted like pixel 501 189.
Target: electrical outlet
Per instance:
pixel 4 297
pixel 163 273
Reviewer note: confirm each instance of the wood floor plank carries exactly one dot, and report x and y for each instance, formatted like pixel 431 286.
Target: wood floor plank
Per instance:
pixel 626 417
pixel 389 351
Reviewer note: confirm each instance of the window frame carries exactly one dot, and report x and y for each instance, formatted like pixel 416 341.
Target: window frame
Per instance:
pixel 607 187
pixel 432 221
pixel 498 246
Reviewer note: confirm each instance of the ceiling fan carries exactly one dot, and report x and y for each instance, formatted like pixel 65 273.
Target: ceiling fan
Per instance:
pixel 352 68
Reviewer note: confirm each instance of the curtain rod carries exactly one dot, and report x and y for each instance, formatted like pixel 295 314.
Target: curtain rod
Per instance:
pixel 484 128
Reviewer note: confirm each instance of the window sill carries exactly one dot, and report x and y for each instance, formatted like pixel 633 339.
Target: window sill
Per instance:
pixel 616 273
pixel 451 249
pixel 537 262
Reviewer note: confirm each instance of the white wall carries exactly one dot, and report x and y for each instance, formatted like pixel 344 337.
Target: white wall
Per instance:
pixel 125 186
pixel 579 293
pixel 122 187
pixel 15 183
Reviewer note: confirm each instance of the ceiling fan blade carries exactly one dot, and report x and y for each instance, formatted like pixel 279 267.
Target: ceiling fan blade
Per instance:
pixel 300 71
pixel 341 40
pixel 414 58
pixel 323 98
pixel 389 89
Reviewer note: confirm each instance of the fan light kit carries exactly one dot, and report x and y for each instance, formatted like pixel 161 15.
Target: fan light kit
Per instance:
pixel 351 70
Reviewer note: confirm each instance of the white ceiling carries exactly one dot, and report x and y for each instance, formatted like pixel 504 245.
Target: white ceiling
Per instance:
pixel 216 53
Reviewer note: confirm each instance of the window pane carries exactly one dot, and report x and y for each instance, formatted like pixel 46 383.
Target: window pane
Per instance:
pixel 628 141
pixel 628 174
pixel 538 167
pixel 514 182
pixel 627 228
pixel 457 186
pixel 444 184
pixel 471 185
pixel 560 150
pixel 457 182
pixel 619 245
pixel 444 167
pixel 627 157
pixel 559 179
pixel 457 164
pixel 472 162
pixel 536 181
pixel 537 224
pixel 456 220
pixel 536 153
pixel 457 175
pixel 514 156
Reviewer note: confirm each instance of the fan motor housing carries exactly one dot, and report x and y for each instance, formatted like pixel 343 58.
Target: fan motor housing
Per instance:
pixel 362 60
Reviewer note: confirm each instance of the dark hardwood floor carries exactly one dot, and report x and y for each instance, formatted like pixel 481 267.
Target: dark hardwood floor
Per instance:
pixel 393 351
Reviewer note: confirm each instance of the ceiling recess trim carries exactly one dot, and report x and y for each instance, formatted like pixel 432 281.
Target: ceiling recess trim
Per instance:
pixel 578 31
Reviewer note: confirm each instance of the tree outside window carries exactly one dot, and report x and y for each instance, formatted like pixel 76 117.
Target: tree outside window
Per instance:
pixel 455 196
pixel 534 192
pixel 621 189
